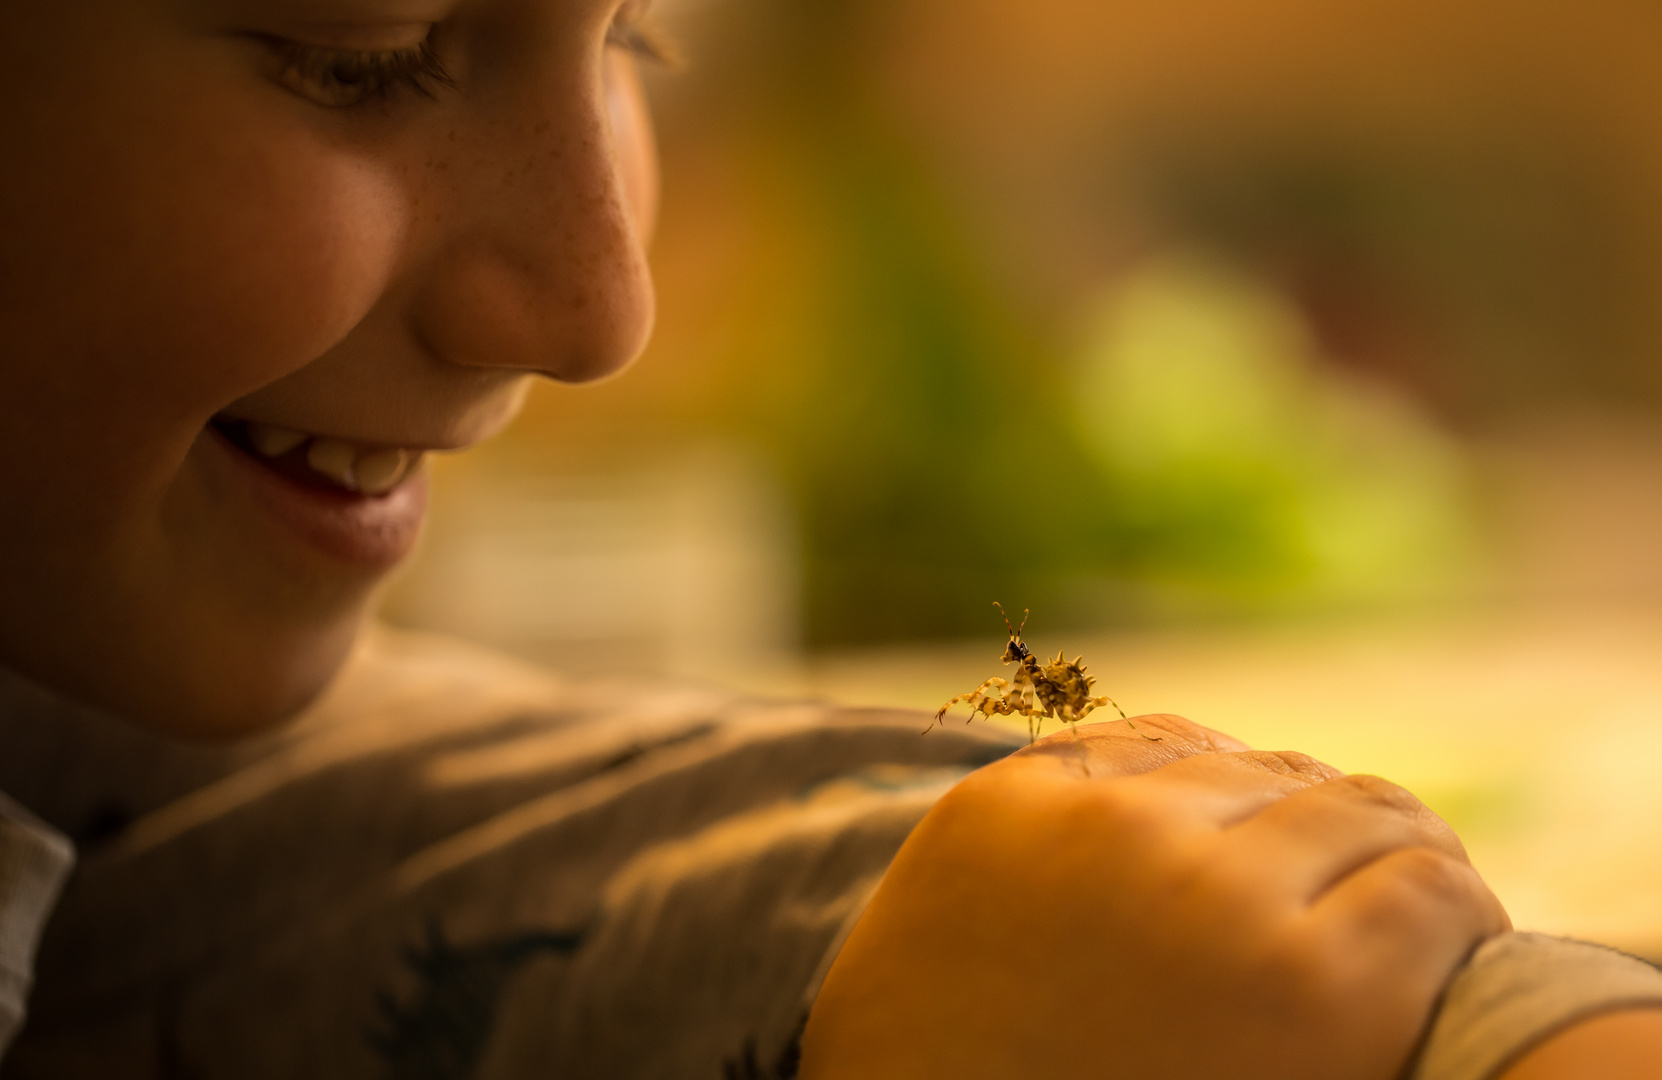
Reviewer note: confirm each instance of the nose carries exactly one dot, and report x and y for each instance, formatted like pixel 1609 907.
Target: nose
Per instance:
pixel 536 244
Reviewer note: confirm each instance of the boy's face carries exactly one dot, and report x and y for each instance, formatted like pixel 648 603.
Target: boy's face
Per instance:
pixel 258 256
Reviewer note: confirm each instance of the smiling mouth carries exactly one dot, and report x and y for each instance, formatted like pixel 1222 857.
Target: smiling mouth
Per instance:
pixel 320 461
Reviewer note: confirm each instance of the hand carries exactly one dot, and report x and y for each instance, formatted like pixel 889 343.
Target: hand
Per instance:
pixel 1190 908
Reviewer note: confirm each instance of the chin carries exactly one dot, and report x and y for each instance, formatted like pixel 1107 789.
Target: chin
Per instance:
pixel 255 686
pixel 235 682
pixel 207 619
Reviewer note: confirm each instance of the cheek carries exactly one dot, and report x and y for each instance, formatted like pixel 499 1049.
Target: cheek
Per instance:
pixel 267 258
pixel 220 243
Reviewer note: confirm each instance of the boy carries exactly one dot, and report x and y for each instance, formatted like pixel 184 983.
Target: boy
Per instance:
pixel 261 256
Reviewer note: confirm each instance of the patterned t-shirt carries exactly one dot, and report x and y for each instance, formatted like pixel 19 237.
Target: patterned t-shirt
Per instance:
pixel 462 867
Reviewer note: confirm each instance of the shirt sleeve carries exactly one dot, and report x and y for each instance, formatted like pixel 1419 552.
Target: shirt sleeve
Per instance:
pixel 1519 990
pixel 710 948
pixel 34 861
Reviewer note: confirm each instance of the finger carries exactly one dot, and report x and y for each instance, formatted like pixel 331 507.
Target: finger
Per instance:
pixel 1114 749
pixel 1320 835
pixel 1217 790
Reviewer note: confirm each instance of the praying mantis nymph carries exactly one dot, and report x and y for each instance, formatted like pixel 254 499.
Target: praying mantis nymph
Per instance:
pixel 1058 690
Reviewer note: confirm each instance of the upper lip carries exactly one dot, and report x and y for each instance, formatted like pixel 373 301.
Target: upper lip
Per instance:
pixel 382 440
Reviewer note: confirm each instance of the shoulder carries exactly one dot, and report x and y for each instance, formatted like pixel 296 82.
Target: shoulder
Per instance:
pixel 541 872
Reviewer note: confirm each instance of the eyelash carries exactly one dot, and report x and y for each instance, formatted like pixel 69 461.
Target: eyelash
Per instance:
pixel 343 78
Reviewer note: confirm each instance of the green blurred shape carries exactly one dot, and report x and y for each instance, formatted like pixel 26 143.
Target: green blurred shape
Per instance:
pixel 942 450
pixel 922 434
pixel 1242 467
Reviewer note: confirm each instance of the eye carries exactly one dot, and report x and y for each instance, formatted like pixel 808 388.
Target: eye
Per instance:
pixel 633 31
pixel 343 78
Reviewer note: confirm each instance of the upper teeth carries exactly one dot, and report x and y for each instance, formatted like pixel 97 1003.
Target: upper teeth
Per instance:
pixel 274 441
pixel 371 470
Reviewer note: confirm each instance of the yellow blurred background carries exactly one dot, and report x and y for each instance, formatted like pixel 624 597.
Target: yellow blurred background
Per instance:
pixel 1300 364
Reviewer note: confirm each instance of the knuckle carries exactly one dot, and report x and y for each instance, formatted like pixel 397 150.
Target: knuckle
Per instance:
pixel 1291 763
pixel 1379 791
pixel 1023 793
pixel 1420 884
pixel 1430 874
pixel 1187 730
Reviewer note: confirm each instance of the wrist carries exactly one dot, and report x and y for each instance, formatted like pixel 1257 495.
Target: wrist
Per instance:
pixel 1625 1045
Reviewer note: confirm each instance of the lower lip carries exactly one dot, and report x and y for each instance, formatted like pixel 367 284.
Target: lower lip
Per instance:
pixel 371 531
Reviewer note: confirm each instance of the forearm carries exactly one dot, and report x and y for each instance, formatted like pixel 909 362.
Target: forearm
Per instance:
pixel 1623 1045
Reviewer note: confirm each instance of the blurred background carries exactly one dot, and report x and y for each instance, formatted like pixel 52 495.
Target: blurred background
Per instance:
pixel 1299 364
